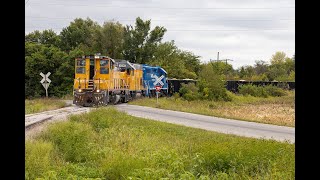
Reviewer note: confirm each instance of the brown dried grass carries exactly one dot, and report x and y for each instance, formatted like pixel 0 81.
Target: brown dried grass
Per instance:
pixel 271 110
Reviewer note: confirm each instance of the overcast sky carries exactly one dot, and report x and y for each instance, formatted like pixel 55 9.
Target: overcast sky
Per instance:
pixel 241 30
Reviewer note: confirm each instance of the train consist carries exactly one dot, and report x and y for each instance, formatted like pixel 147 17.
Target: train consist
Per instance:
pixel 233 85
pixel 100 80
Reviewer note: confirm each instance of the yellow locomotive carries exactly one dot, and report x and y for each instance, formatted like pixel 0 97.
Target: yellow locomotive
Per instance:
pixel 100 80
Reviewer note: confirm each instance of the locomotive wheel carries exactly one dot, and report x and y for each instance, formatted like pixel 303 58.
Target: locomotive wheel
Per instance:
pixel 115 99
pixel 99 100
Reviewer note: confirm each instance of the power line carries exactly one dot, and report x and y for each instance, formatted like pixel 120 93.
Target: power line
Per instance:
pixel 173 8
pixel 114 19
pixel 195 29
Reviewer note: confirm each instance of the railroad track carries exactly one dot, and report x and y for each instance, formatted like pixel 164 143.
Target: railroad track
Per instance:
pixel 32 120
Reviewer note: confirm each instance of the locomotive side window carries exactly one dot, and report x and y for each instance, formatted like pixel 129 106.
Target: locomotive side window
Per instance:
pixel 81 66
pixel 104 69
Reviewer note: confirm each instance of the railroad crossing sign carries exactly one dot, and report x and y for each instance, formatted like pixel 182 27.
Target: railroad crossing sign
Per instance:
pixel 45 81
pixel 157 79
pixel 158 91
pixel 158 88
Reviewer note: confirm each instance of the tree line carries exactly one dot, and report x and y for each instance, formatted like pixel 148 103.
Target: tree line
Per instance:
pixel 48 51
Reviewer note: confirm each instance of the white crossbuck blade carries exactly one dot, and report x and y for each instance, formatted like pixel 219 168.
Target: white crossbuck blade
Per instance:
pixel 157 79
pixel 45 77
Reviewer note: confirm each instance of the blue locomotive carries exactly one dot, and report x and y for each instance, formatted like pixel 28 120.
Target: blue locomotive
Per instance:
pixel 154 76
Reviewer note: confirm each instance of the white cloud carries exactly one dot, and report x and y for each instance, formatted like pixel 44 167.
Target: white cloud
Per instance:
pixel 250 34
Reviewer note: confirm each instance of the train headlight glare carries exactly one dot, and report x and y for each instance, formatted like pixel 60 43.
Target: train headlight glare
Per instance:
pixel 80 90
pixel 98 90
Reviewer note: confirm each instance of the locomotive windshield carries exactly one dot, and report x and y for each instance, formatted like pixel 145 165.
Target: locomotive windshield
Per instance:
pixel 104 69
pixel 80 69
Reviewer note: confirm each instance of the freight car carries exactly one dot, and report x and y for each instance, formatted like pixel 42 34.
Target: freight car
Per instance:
pixel 175 84
pixel 233 85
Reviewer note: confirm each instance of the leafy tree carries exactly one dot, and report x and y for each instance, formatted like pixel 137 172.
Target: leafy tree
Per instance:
pixel 246 72
pixel 211 84
pixel 192 62
pixel 79 33
pixel 260 67
pixel 140 43
pixel 292 76
pixel 109 39
pixel 41 58
pixel 223 69
pixel 275 71
pixel 289 65
pixel 278 58
pixel 46 37
pixel 178 63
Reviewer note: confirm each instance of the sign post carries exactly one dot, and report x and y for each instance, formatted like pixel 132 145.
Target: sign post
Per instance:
pixel 157 91
pixel 45 81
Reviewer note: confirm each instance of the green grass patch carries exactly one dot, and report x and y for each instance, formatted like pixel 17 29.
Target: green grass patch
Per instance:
pixel 108 144
pixel 261 91
pixel 272 110
pixel 43 104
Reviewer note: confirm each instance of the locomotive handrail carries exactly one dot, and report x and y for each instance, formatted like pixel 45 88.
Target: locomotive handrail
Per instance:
pixel 94 76
pixel 99 84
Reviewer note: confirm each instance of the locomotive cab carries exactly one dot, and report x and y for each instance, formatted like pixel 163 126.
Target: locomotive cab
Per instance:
pixel 90 83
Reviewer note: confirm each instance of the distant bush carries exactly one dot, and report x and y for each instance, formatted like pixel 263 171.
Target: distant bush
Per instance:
pixel 189 91
pixel 275 91
pixel 261 91
pixel 176 95
pixel 249 89
pixel 212 84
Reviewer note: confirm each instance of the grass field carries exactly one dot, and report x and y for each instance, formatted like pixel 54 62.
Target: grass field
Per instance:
pixel 107 144
pixel 43 104
pixel 271 110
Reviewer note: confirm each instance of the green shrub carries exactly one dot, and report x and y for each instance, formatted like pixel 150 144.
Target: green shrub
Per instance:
pixel 275 91
pixel 38 158
pixel 249 89
pixel 261 91
pixel 74 140
pixel 96 119
pixel 189 91
pixel 212 84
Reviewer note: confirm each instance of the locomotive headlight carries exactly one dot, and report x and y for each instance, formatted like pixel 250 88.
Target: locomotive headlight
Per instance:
pixel 80 90
pixel 98 90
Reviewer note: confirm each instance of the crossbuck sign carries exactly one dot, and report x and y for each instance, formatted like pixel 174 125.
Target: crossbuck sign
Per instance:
pixel 45 81
pixel 157 79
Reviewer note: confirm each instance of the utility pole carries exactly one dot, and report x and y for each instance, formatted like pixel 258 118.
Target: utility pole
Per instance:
pixel 228 60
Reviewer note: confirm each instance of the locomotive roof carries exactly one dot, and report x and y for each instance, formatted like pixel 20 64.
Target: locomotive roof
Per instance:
pixel 124 61
pixel 154 67
pixel 96 57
